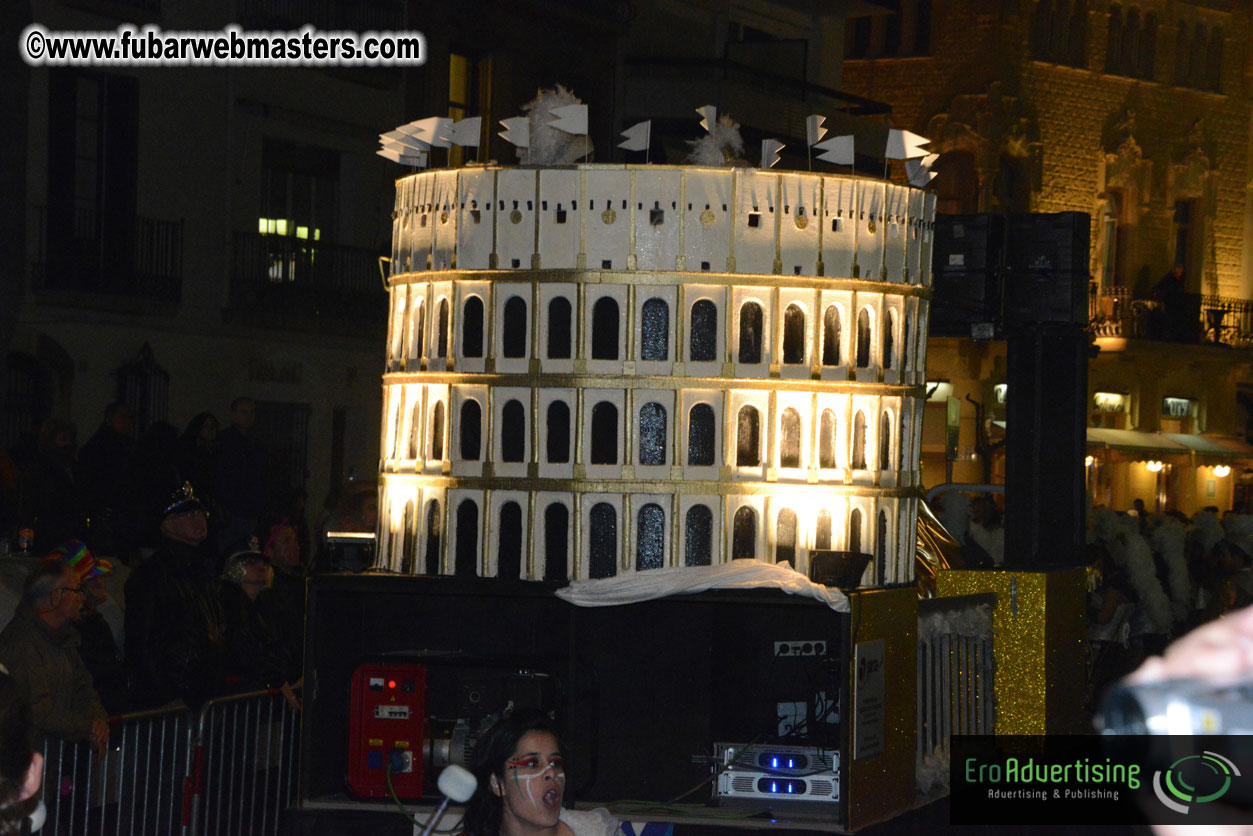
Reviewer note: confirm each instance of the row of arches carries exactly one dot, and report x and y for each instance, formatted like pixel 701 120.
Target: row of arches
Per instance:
pixel 697 547
pixel 845 438
pixel 655 344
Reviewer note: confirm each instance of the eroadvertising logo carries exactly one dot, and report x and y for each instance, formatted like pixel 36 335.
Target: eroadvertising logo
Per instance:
pixel 1194 779
pixel 1086 779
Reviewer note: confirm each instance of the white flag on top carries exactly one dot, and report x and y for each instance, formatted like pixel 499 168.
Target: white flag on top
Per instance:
pixel 770 149
pixel 467 131
pixel 637 136
pixel 919 171
pixel 517 131
pixel 903 145
pixel 814 131
pixel 708 116
pixel 571 118
pixel 837 149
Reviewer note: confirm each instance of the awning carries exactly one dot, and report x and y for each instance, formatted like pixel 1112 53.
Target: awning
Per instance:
pixel 1221 447
pixel 1145 445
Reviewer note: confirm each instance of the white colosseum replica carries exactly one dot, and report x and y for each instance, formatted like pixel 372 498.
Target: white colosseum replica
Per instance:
pixel 602 369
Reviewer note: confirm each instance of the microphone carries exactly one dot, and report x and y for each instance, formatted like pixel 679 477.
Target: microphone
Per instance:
pixel 457 784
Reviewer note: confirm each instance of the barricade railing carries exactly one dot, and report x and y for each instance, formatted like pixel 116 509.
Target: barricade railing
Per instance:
pixel 956 681
pixel 228 770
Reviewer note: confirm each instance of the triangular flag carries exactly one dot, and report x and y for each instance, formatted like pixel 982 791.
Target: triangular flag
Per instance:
pixel 919 171
pixel 903 145
pixel 398 137
pixel 517 130
pixel 419 159
pixel 467 131
pixel 637 136
pixel 708 116
pixel 837 149
pixel 813 128
pixel 436 131
pixel 770 152
pixel 570 118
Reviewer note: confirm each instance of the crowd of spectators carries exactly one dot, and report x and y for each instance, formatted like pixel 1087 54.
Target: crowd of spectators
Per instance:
pixel 154 571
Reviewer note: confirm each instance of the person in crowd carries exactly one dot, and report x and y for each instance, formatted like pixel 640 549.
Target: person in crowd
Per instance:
pixel 521 784
pixel 198 456
pixel 21 765
pixel 99 649
pixel 175 628
pixel 259 653
pixel 282 549
pixel 52 505
pixel 241 474
pixel 39 647
pixel 357 511
pixel 986 528
pixel 103 472
pixel 154 475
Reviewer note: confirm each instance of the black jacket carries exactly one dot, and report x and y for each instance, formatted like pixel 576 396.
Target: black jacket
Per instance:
pixel 175 629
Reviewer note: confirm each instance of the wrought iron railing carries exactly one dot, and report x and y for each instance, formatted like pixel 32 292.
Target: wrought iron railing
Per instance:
pixel 284 275
pixel 1187 317
pixel 91 261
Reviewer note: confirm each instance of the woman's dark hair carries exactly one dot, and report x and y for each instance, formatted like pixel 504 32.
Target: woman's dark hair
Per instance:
pixel 483 812
pixel 192 431
pixel 16 750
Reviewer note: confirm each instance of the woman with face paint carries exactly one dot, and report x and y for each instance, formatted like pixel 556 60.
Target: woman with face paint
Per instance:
pixel 522 781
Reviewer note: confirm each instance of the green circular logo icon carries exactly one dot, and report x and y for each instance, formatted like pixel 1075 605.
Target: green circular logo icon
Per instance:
pixel 1194 779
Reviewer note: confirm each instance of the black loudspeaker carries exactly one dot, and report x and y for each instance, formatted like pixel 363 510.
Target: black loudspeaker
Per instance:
pixel 838 569
pixel 1046 431
pixel 966 267
pixel 1046 279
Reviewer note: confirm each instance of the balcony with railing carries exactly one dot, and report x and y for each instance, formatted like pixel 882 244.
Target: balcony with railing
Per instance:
pixel 299 283
pixel 1186 318
pixel 87 258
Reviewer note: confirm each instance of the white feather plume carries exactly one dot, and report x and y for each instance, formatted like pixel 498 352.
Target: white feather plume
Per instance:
pixel 720 146
pixel 1207 531
pixel 549 145
pixel 1121 534
pixel 1168 541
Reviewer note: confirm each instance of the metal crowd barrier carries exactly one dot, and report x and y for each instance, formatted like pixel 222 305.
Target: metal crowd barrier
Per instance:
pixel 227 770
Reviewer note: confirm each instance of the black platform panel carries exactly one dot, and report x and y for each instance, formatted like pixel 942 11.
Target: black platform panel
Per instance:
pixel 1046 277
pixel 966 263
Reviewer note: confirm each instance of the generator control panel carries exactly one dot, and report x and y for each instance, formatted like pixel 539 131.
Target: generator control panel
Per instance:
pixel 386 730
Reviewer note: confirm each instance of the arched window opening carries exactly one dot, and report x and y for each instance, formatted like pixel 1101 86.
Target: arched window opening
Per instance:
pixel 513 329
pixel 441 330
pixel 437 432
pixel 698 536
pixel 655 331
pixel 409 548
pixel 559 328
pixel 419 327
pixel 831 336
pixel 558 441
pixel 605 329
pixel 467 560
pixel 826 439
pixel 434 527
pixel 885 442
pixel 415 432
pixel 858 458
pixel 604 433
pixel 556 542
pixel 905 342
pixel 854 530
pixel 785 538
pixel 513 432
pixel 790 440
pixel 652 434
pixel 509 545
pixel 744 534
pixel 881 549
pixel 703 346
pixel 471 430
pixel 750 333
pixel 793 334
pixel 650 541
pixel 822 534
pixel 700 436
pixel 748 438
pixel 889 341
pixel 472 327
pixel 863 339
pixel 603 541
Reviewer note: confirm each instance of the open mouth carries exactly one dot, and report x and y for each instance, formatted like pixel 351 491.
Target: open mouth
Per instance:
pixel 552 799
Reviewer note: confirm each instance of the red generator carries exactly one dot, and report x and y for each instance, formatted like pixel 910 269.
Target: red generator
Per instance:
pixel 386 728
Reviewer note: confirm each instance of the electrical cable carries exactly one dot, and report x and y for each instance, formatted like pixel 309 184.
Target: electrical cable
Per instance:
pixel 387 773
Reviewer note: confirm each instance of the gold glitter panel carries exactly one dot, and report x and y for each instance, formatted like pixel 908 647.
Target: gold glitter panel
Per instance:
pixel 881 786
pixel 1039 645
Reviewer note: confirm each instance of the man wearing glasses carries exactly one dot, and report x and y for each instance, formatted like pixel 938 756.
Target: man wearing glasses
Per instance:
pixel 40 649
